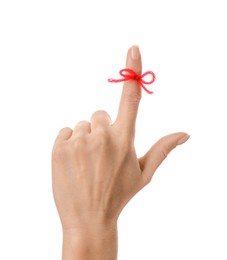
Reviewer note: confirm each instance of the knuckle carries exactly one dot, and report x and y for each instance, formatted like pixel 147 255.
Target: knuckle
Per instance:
pixel 100 113
pixel 101 137
pixel 60 152
pixel 147 180
pixel 164 153
pixel 79 143
pixel 65 129
pixel 82 123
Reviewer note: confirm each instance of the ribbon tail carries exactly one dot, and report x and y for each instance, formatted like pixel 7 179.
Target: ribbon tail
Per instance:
pixel 116 80
pixel 147 90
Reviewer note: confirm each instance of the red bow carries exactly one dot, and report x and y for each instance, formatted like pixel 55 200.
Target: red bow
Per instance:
pixel 129 74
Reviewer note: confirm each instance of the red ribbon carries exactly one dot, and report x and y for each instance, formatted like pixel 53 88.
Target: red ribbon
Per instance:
pixel 129 74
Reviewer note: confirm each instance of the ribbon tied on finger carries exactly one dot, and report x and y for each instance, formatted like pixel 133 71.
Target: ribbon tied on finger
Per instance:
pixel 129 74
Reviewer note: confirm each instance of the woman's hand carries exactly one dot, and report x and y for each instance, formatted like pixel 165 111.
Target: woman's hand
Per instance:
pixel 96 171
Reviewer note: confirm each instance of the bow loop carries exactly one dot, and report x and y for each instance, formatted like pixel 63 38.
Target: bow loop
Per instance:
pixel 129 74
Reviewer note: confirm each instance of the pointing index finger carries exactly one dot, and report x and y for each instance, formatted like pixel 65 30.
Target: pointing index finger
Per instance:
pixel 131 93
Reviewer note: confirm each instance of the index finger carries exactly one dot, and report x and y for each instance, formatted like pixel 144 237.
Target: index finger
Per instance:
pixel 131 93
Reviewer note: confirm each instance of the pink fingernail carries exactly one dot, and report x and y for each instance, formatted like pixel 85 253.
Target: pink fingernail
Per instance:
pixel 183 139
pixel 135 52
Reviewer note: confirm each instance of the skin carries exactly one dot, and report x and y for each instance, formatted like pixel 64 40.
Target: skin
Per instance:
pixel 95 172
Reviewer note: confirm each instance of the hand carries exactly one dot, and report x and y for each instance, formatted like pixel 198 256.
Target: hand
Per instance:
pixel 95 169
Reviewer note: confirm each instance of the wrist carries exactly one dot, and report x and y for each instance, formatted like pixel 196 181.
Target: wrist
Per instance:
pixel 90 242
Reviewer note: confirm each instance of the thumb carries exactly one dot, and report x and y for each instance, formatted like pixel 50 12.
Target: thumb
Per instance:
pixel 158 152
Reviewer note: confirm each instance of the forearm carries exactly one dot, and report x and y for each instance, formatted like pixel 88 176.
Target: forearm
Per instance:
pixel 90 244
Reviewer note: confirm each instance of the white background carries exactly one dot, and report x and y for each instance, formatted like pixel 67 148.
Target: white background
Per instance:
pixel 55 58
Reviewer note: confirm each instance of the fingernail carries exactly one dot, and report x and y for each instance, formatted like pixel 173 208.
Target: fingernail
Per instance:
pixel 135 52
pixel 183 139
